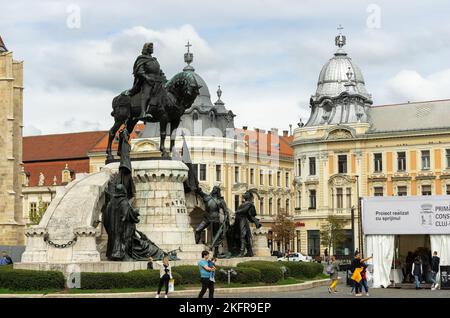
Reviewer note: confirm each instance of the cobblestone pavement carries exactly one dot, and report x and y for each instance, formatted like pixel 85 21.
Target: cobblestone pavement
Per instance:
pixel 343 292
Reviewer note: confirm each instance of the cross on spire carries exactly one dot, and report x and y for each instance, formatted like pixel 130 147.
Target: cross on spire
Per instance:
pixel 340 28
pixel 188 45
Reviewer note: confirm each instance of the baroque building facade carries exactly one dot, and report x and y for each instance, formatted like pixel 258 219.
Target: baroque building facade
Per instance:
pixel 350 149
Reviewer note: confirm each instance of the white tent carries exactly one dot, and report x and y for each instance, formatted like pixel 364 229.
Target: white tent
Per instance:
pixel 385 217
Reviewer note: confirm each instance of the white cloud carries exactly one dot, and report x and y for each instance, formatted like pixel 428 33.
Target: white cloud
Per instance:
pixel 412 86
pixel 266 54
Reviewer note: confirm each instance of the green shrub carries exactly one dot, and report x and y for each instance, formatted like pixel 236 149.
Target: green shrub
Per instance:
pixel 303 270
pixel 270 271
pixel 133 279
pixel 190 274
pixel 19 279
pixel 244 275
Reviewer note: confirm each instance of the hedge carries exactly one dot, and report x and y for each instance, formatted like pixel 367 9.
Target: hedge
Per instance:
pixel 303 270
pixel 190 274
pixel 20 279
pixel 271 272
pixel 133 279
pixel 244 275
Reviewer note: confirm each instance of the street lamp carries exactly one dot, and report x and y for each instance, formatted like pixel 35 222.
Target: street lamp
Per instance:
pixel 360 245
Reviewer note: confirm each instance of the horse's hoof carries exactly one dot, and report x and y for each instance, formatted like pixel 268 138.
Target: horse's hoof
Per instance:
pixel 165 155
pixel 109 159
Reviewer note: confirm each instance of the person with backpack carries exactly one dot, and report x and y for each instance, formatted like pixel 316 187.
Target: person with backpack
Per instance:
pixel 332 270
pixel 364 279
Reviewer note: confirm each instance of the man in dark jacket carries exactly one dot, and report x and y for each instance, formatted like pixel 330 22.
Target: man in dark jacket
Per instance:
pixel 435 260
pixel 417 271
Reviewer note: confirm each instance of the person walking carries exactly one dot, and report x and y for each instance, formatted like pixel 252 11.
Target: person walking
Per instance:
pixel 205 276
pixel 356 269
pixel 332 270
pixel 364 279
pixel 435 260
pixel 325 255
pixel 417 271
pixel 165 275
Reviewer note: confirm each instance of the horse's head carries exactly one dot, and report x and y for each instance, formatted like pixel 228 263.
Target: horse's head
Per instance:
pixel 184 88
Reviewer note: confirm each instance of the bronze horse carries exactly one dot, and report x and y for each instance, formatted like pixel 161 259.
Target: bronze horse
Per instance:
pixel 181 91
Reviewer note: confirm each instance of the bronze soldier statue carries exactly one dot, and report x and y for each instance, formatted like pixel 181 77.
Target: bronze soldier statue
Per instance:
pixel 214 203
pixel 245 214
pixel 149 80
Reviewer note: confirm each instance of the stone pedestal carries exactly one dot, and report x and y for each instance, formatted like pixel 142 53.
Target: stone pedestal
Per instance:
pixel 162 206
pixel 260 247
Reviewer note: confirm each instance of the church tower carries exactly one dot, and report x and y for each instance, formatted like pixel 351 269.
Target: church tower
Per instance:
pixel 11 117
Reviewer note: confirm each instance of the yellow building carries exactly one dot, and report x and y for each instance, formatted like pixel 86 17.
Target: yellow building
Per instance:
pixel 349 146
pixel 11 113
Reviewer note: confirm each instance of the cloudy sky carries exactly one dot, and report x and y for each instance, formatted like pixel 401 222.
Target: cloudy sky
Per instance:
pixel 265 54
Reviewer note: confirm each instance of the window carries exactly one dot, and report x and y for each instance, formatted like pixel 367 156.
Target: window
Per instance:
pixel 312 199
pixel 426 189
pixel 447 189
pixel 33 207
pixel 377 162
pixel 401 161
pixel 278 205
pixel 447 156
pixel 270 179
pixel 299 200
pixel 313 242
pixel 378 191
pixel 200 169
pixel 218 173
pixel 287 180
pixel 278 179
pixel 252 176
pixel 339 198
pixel 299 167
pixel 261 177
pixel 425 159
pixel 287 206
pixel 236 202
pixel 349 198
pixel 261 206
pixel 312 166
pixel 402 191
pixel 236 174
pixel 297 234
pixel 270 206
pixel 342 164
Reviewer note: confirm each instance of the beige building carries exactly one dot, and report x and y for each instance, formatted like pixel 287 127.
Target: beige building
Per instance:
pixel 348 146
pixel 11 114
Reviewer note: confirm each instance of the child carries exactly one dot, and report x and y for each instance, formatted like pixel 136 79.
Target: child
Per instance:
pixel 212 264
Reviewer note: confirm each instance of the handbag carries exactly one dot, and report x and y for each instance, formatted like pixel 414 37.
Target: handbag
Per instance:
pixel 357 274
pixel 330 269
pixel 171 285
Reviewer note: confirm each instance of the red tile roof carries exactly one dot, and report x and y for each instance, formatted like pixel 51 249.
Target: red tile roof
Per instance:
pixel 101 145
pixel 60 146
pixel 264 143
pixel 50 169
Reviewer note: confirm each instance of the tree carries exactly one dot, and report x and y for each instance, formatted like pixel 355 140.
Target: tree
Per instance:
pixel 332 232
pixel 36 216
pixel 283 229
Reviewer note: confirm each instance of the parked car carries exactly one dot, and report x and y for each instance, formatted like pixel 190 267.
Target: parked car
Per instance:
pixel 277 254
pixel 295 257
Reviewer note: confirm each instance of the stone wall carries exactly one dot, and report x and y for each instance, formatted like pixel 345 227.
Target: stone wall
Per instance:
pixel 11 100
